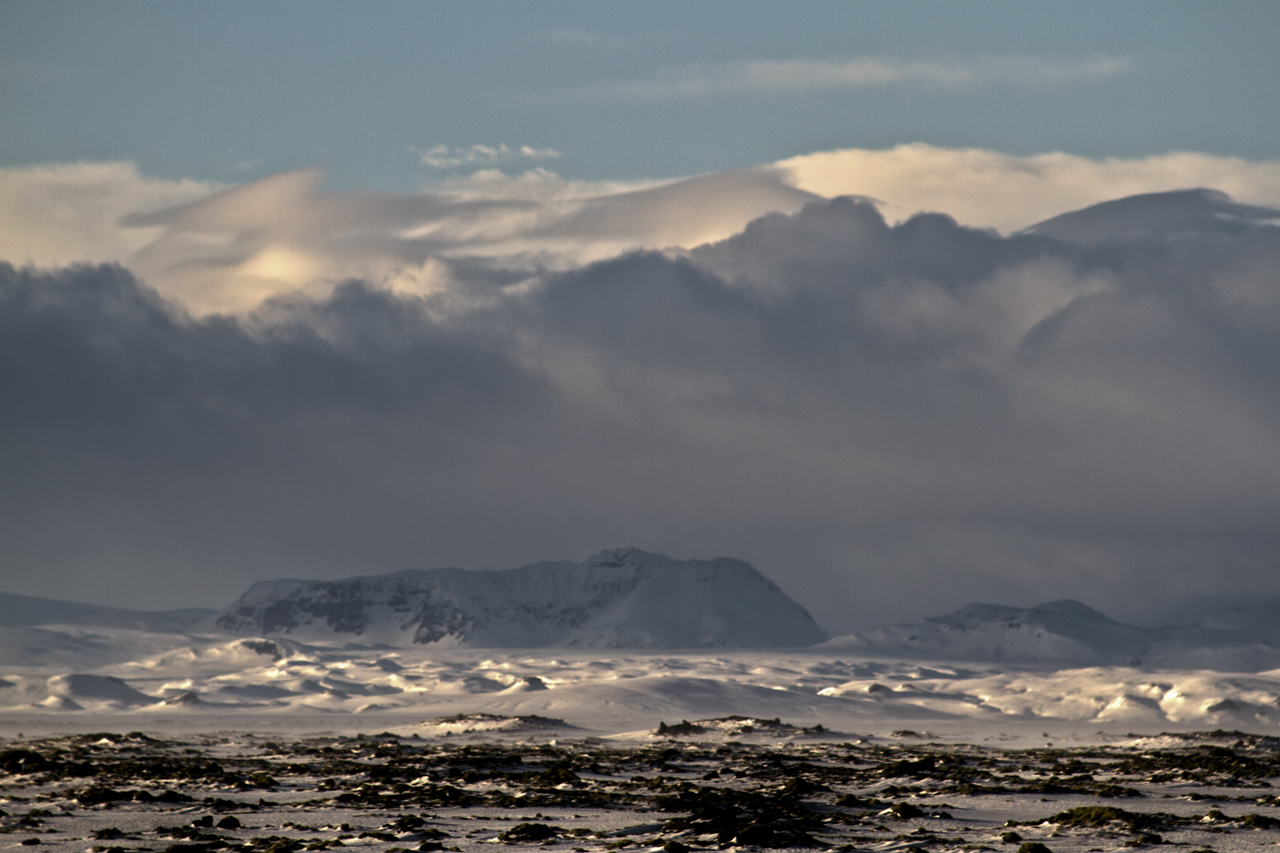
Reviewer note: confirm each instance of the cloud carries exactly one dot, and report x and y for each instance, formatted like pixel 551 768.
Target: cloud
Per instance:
pixel 444 157
pixel 988 189
pixel 230 250
pixel 778 77
pixel 574 36
pixel 57 214
pixel 226 249
pixel 889 419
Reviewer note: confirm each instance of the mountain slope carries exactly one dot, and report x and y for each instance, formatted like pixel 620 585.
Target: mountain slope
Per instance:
pixel 1061 632
pixel 1257 615
pixel 17 611
pixel 1067 633
pixel 617 599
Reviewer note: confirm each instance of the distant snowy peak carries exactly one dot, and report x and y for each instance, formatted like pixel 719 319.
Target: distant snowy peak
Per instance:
pixel 1156 216
pixel 1061 633
pixel 1256 615
pixel 25 610
pixel 624 598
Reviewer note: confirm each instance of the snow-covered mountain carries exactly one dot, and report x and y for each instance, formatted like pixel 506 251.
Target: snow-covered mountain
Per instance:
pixel 17 611
pixel 70 633
pixel 1032 667
pixel 1068 633
pixel 1258 616
pixel 1060 631
pixel 617 599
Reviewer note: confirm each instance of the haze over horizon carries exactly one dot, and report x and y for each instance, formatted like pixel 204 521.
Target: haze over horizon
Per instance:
pixel 320 291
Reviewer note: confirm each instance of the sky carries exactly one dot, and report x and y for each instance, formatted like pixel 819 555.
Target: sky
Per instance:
pixel 322 289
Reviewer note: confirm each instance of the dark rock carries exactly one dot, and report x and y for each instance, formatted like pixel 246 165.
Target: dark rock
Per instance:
pixel 904 811
pixel 1033 847
pixel 559 776
pixel 97 796
pixel 1096 816
pixel 1144 839
pixel 1258 821
pixel 18 761
pixel 529 832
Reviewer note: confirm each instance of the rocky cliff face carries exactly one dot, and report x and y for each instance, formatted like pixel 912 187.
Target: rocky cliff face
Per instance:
pixel 617 599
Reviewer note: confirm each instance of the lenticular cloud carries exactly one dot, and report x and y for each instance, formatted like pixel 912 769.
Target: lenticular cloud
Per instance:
pixel 225 250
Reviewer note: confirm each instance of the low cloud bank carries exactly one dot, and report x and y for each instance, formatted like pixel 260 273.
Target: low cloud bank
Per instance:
pixel 225 250
pixel 886 419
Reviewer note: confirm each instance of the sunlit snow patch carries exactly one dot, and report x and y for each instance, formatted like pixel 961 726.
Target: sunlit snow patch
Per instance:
pixel 486 723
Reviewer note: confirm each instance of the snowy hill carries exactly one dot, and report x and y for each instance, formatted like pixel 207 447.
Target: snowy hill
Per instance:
pixel 45 631
pixel 1065 632
pixel 1068 633
pixel 18 611
pixel 1258 616
pixel 617 599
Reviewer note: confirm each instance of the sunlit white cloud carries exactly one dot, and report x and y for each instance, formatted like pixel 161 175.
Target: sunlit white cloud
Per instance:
pixel 229 251
pixel 798 76
pixel 443 157
pixel 989 189
pixel 64 213
pixel 226 249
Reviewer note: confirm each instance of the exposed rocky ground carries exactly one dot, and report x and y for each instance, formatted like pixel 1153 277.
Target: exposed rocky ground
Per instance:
pixel 737 782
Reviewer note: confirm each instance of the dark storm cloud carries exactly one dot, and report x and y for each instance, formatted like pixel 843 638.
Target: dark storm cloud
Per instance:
pixel 889 420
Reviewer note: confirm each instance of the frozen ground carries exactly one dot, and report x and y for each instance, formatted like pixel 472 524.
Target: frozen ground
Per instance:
pixel 713 784
pixel 120 740
pixel 78 679
pixel 124 734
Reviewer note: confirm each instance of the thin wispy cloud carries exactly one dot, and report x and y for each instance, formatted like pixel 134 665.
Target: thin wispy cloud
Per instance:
pixel 573 36
pixel 799 76
pixel 444 157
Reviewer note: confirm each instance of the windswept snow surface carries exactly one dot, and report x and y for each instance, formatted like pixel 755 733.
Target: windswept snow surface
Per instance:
pixel 204 682
pixel 983 669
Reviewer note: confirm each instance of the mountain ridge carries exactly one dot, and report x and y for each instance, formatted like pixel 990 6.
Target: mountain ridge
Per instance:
pixel 18 610
pixel 624 598
pixel 627 598
pixel 1068 632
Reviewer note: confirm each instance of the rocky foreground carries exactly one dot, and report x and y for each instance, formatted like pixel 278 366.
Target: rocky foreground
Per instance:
pixel 471 782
